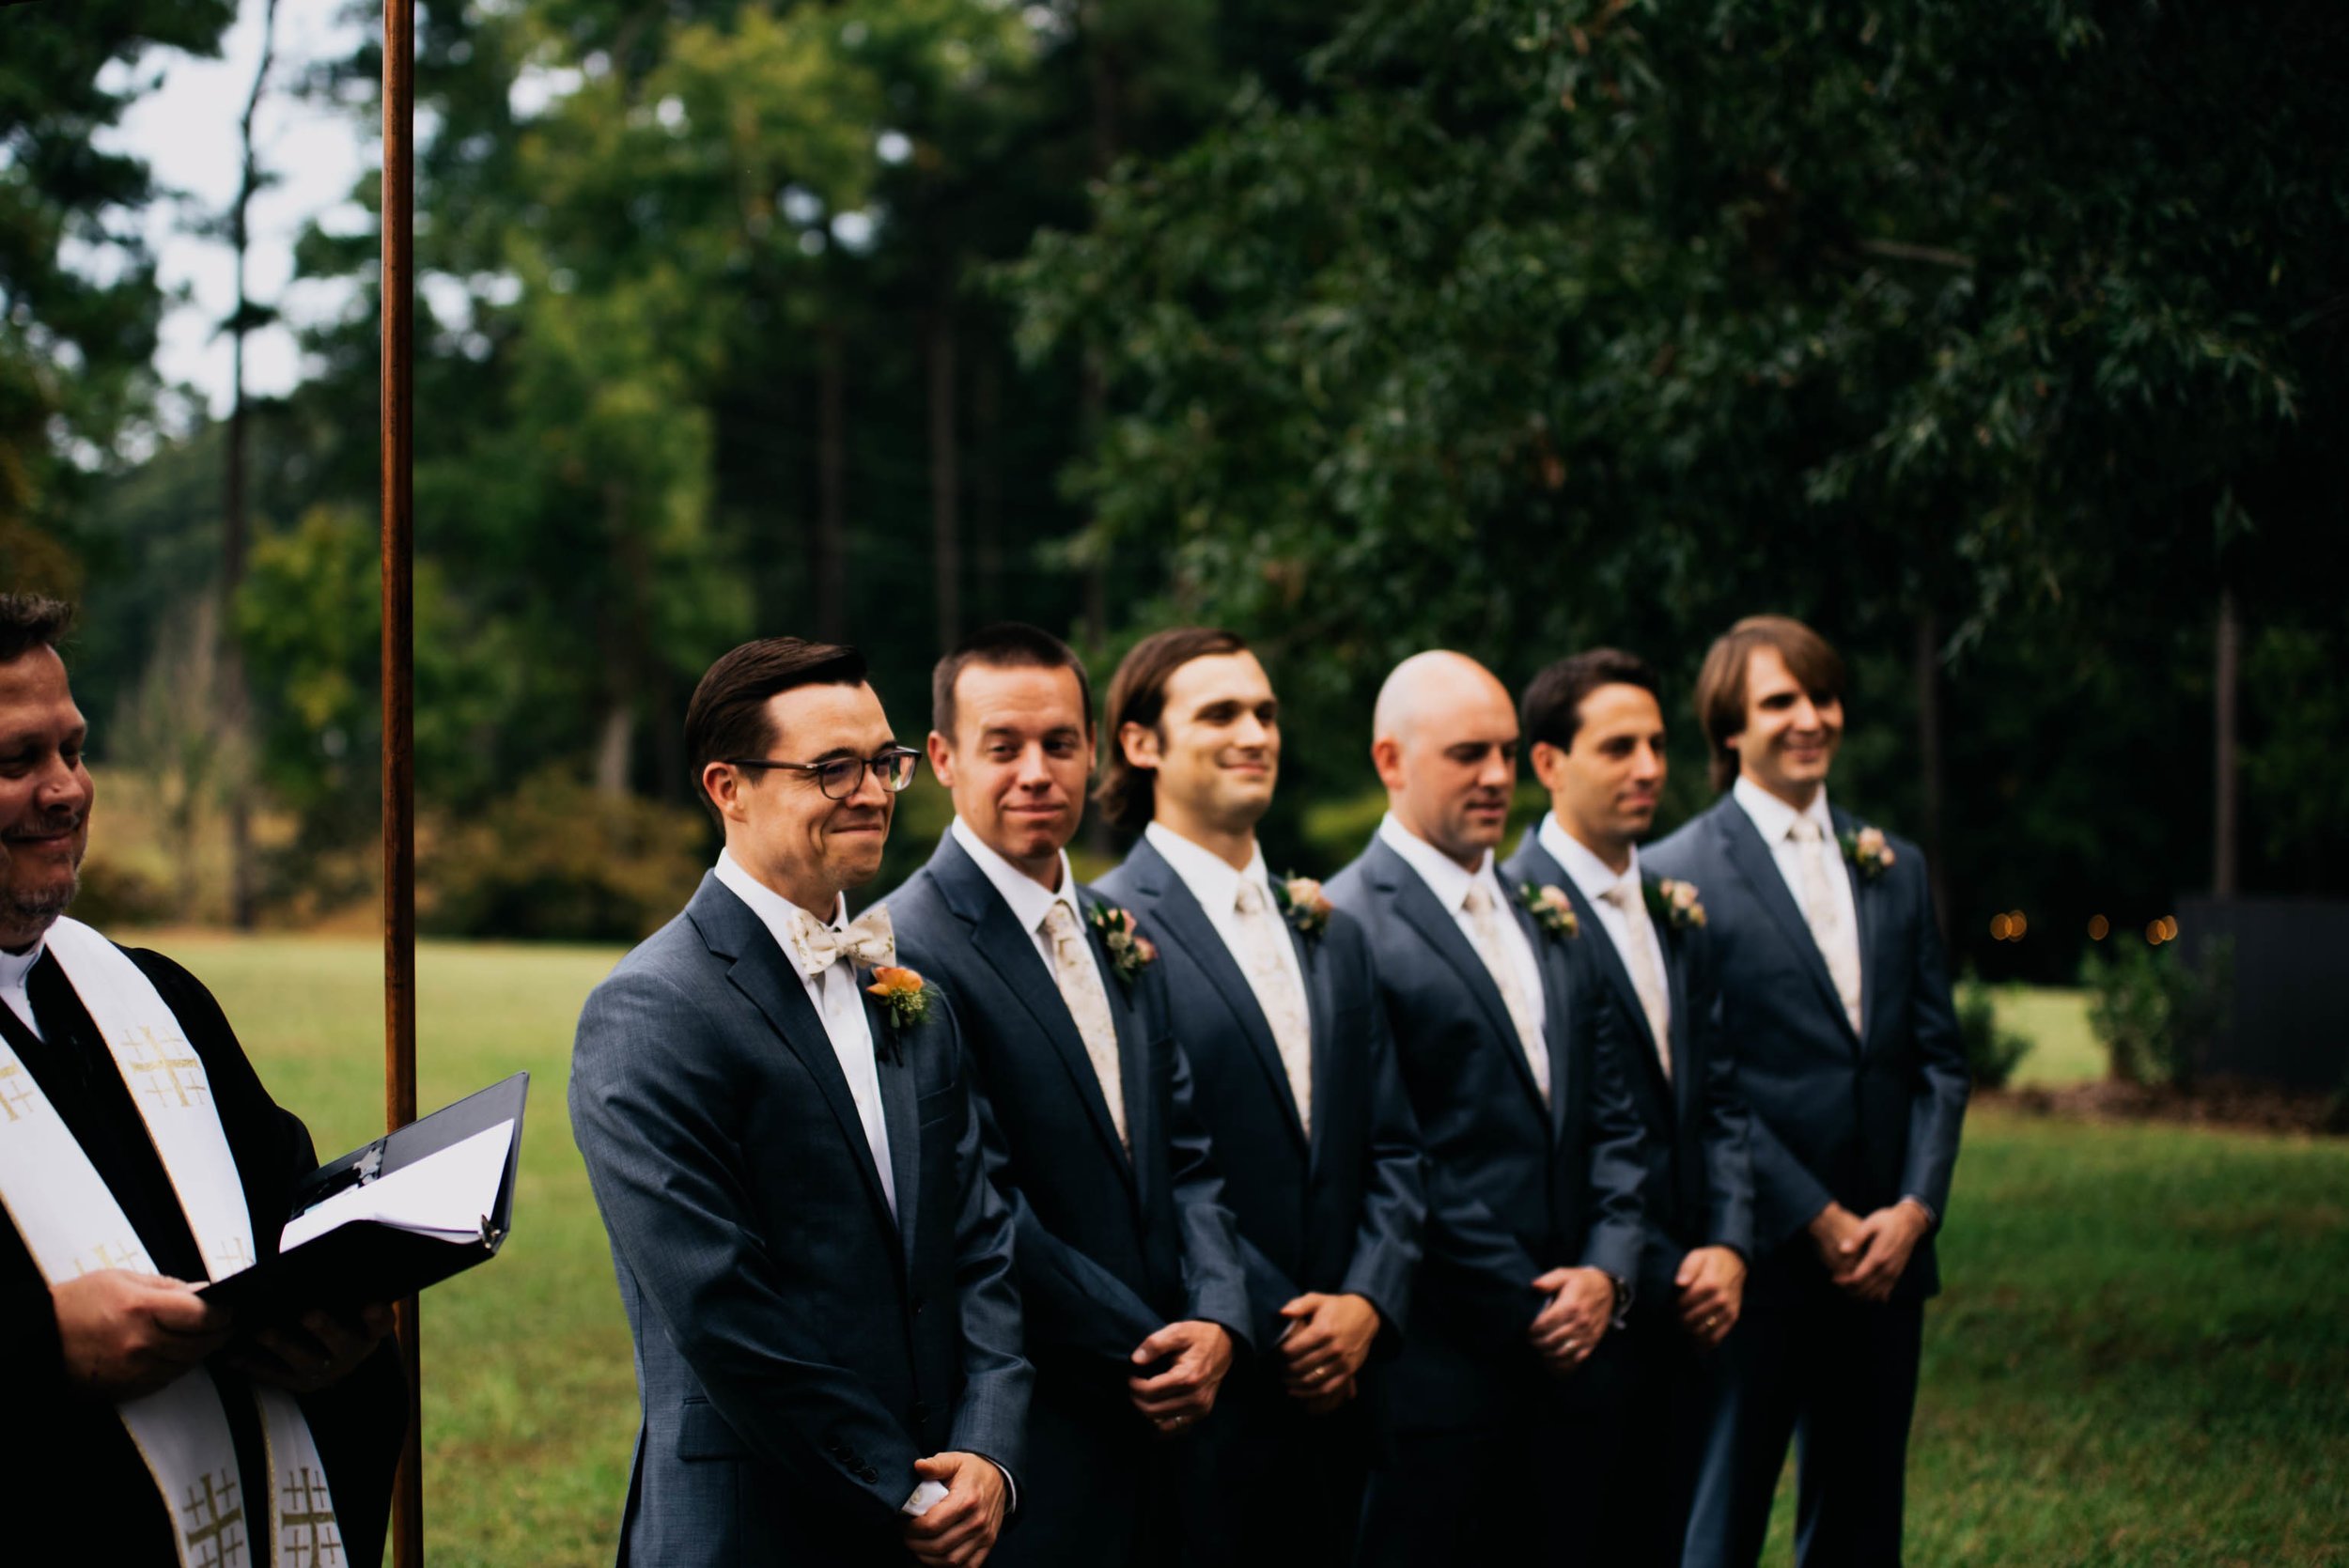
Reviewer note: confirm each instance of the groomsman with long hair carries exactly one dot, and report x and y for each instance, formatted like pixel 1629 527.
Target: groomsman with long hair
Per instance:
pixel 1836 996
pixel 1294 1075
pixel 1595 730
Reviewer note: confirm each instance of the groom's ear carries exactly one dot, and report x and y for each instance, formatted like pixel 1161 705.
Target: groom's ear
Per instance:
pixel 941 754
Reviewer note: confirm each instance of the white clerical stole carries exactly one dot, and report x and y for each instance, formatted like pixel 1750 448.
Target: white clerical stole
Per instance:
pixel 71 1225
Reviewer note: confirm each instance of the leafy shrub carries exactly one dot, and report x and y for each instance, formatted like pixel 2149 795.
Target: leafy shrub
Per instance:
pixel 1992 1053
pixel 557 860
pixel 112 895
pixel 2155 1014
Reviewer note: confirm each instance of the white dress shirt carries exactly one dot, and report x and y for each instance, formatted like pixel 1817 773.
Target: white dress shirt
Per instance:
pixel 1774 819
pixel 15 969
pixel 1598 883
pixel 1216 884
pixel 837 1002
pixel 1450 883
pixel 1030 900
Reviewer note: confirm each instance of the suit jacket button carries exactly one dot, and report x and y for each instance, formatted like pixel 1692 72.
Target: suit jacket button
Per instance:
pixel 869 1474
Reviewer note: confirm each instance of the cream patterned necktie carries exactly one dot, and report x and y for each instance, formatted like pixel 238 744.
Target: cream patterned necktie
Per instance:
pixel 1641 958
pixel 1484 919
pixel 1080 981
pixel 1823 914
pixel 867 939
pixel 1278 994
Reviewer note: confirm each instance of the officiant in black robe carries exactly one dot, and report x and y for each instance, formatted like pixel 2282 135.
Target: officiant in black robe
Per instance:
pixel 77 1488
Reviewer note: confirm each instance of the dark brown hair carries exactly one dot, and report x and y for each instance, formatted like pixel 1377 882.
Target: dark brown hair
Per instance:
pixel 1006 645
pixel 1551 712
pixel 1128 794
pixel 728 716
pixel 29 621
pixel 1721 684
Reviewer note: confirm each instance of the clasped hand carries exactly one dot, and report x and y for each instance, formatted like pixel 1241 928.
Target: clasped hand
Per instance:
pixel 1581 1306
pixel 1184 1393
pixel 125 1333
pixel 1323 1350
pixel 1866 1257
pixel 960 1529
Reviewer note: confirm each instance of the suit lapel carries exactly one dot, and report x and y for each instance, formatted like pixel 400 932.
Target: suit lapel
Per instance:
pixel 1536 865
pixel 1550 959
pixel 1178 918
pixel 1867 903
pixel 759 971
pixel 1133 1072
pixel 1417 904
pixel 1683 1027
pixel 1321 1008
pixel 899 1112
pixel 1011 952
pixel 1752 860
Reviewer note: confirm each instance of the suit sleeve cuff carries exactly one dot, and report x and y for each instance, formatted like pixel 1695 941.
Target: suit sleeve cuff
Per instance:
pixel 1933 1217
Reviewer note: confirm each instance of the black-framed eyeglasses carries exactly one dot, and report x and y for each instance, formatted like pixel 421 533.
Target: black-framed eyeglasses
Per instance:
pixel 839 777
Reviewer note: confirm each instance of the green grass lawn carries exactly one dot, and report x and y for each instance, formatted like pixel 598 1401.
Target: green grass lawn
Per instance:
pixel 2141 1358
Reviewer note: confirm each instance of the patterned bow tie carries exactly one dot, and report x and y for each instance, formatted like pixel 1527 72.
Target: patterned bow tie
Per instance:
pixel 867 939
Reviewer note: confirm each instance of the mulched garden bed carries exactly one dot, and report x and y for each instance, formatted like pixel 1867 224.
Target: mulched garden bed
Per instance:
pixel 2213 1103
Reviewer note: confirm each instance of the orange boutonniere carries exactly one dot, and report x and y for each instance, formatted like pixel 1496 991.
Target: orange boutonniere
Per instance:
pixel 904 992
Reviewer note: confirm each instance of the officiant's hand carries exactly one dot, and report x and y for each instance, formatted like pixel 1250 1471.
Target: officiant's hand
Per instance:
pixel 315 1353
pixel 960 1529
pixel 1181 1396
pixel 126 1333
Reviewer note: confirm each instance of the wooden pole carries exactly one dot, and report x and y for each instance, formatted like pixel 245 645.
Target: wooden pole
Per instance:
pixel 400 772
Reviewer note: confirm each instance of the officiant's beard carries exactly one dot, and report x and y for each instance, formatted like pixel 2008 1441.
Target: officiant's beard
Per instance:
pixel 27 914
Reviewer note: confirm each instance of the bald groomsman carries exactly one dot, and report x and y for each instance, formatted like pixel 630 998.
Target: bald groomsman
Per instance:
pixel 1294 1074
pixel 1128 1262
pixel 1596 734
pixel 1501 1395
pixel 1835 996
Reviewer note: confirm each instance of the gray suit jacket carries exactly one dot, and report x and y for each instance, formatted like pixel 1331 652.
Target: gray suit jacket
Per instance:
pixel 797 1348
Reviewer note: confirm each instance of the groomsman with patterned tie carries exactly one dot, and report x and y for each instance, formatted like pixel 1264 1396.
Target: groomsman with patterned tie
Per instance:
pixel 1597 733
pixel 1835 993
pixel 1504 1393
pixel 1294 1075
pixel 1136 1301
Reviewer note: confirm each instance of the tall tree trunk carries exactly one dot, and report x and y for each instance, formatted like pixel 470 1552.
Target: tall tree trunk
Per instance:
pixel 233 700
pixel 987 397
pixel 828 558
pixel 945 473
pixel 1926 669
pixel 2223 868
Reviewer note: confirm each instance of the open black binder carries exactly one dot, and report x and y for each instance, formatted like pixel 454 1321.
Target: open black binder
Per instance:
pixel 369 1261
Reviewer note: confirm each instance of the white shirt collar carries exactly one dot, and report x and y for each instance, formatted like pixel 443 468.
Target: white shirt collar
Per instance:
pixel 1772 817
pixel 1212 880
pixel 1591 874
pixel 16 967
pixel 1445 878
pixel 1030 900
pixel 774 911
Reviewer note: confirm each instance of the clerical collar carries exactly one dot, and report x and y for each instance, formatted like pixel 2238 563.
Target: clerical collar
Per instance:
pixel 16 966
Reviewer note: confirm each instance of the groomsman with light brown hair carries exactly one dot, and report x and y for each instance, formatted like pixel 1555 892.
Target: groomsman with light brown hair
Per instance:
pixel 1293 1072
pixel 1835 992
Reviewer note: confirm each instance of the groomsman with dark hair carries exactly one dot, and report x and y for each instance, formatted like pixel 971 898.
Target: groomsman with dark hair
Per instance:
pixel 1294 1075
pixel 1503 1396
pixel 1835 990
pixel 1597 733
pixel 1135 1296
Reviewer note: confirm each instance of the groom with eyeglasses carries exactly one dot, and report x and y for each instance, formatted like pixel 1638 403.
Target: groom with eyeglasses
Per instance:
pixel 780 1141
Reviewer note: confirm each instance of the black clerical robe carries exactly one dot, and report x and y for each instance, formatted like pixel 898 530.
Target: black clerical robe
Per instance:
pixel 77 1488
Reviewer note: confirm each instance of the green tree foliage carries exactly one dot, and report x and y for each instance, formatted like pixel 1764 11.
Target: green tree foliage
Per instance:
pixel 78 303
